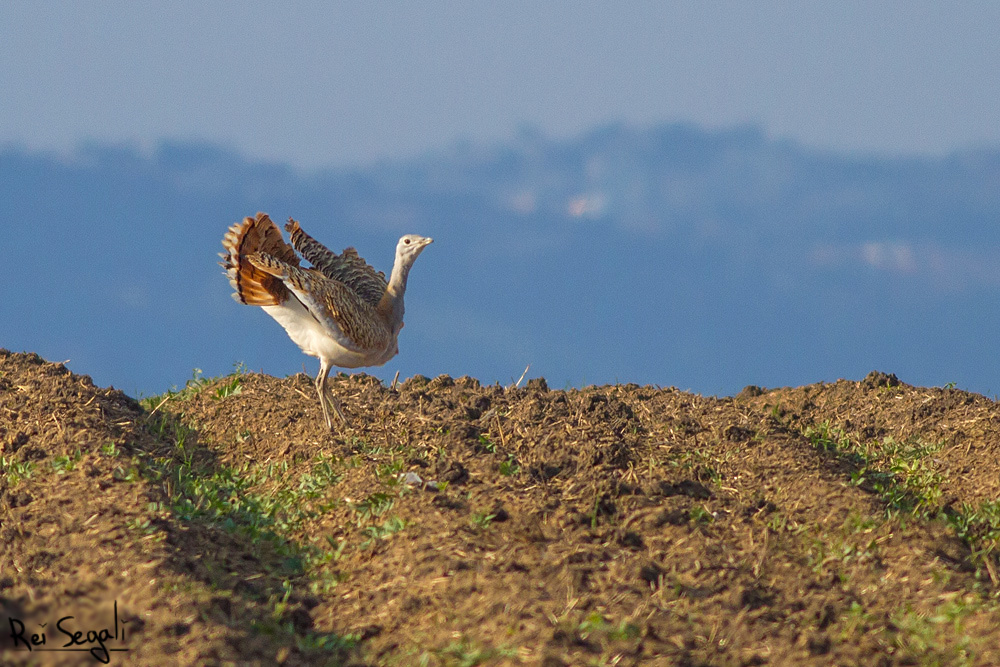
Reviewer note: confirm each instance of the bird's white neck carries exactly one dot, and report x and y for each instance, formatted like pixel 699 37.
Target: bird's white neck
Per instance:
pixel 392 302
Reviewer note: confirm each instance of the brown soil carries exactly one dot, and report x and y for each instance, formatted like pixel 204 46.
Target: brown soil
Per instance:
pixel 845 523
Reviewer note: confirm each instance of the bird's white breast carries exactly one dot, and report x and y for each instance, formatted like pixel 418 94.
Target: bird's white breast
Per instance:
pixel 311 337
pixel 316 340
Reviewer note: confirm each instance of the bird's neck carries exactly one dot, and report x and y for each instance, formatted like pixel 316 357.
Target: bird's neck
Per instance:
pixel 392 301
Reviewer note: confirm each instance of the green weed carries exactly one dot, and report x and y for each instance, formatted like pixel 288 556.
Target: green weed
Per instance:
pixel 700 515
pixel 482 520
pixel 374 505
pixel 267 504
pixel 130 474
pixel 487 444
pixel 464 653
pixel 278 625
pixel 193 386
pixel 388 473
pixel 509 468
pixel 15 471
pixel 231 387
pixel 856 621
pixel 141 525
pixel 388 528
pixel 65 463
pixel 596 624
pixel 700 464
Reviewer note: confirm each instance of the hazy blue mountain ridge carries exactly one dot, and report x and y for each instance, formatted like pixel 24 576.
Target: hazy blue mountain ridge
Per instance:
pixel 669 255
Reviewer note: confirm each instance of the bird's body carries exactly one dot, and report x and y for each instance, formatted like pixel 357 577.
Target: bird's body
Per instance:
pixel 341 310
pixel 315 339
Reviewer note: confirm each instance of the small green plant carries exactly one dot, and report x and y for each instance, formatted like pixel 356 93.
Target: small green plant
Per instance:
pixel 388 473
pixel 509 468
pixel 374 505
pixel 826 550
pixel 231 387
pixel 859 523
pixel 325 642
pixel 595 623
pixel 277 625
pixel 900 473
pixel 266 504
pixel 903 475
pixel 826 438
pixel 590 624
pixel 338 547
pixel 141 525
pixel 778 522
pixel 389 527
pixel 110 449
pixel 65 463
pixel 482 520
pixel 856 621
pixel 15 471
pixel 979 527
pixel 465 653
pixel 129 474
pixel 700 515
pixel 487 444
pixel 193 386
pixel 322 476
pixel 699 463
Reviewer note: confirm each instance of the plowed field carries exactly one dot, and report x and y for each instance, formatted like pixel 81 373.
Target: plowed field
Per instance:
pixel 451 523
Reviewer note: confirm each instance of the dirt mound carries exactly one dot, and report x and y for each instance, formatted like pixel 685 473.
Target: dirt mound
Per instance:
pixel 455 524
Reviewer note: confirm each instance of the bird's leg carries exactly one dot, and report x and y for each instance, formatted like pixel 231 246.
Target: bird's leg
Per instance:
pixel 324 370
pixel 326 397
pixel 335 404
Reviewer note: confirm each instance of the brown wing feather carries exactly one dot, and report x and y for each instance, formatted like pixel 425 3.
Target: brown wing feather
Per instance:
pixel 348 268
pixel 255 235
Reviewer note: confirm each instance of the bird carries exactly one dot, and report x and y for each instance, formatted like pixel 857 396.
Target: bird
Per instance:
pixel 339 309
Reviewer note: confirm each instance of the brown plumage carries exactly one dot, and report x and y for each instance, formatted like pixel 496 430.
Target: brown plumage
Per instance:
pixel 253 286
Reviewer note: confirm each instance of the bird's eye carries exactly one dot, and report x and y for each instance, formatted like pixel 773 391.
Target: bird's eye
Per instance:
pixel 406 241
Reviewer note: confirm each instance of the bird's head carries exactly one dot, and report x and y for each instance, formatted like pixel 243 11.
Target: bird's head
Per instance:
pixel 410 246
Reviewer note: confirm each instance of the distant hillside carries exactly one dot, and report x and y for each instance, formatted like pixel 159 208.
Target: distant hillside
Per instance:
pixel 670 255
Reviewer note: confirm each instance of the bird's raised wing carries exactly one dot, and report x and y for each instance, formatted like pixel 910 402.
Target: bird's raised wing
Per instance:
pixel 348 267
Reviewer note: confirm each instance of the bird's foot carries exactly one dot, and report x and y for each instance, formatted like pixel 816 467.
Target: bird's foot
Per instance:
pixel 332 401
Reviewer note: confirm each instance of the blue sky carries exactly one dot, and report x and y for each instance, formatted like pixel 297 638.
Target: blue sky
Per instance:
pixel 336 84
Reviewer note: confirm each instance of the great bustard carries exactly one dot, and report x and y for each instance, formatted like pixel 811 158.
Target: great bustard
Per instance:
pixel 341 310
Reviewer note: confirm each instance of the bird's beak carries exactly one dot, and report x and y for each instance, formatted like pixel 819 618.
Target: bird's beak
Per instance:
pixel 428 241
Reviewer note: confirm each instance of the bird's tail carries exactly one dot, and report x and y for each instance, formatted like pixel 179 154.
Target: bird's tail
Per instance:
pixel 253 286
